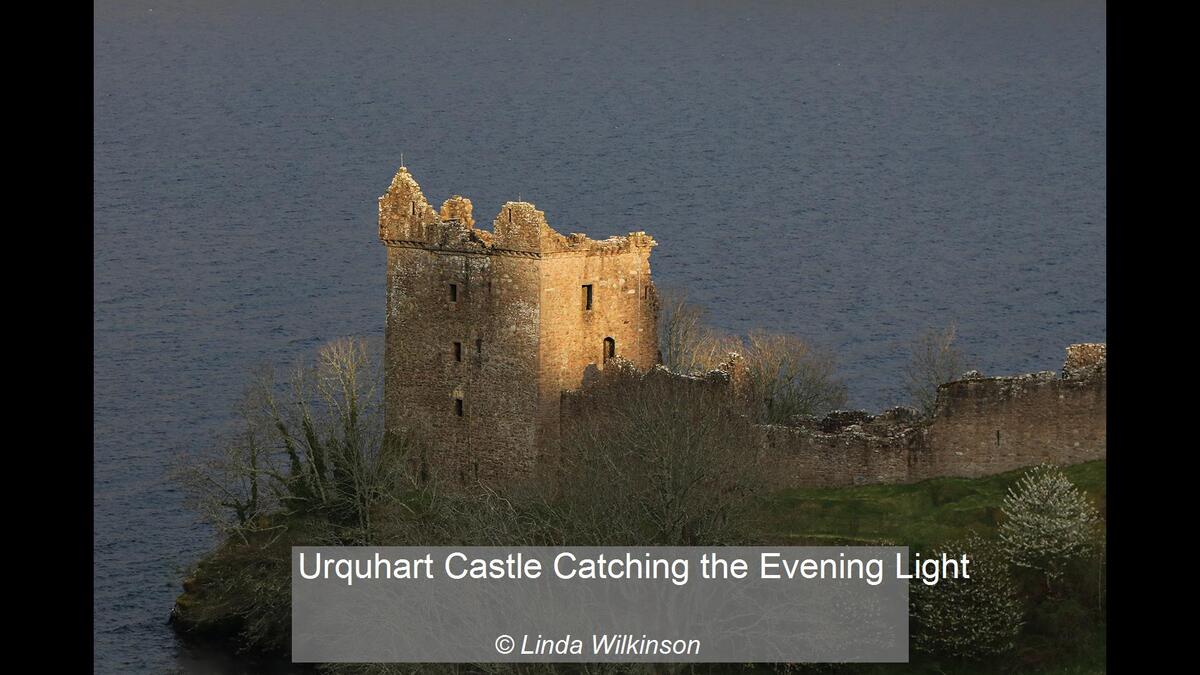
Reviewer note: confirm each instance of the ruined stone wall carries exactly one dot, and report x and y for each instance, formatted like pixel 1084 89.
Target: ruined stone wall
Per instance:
pixel 621 374
pixel 874 450
pixel 991 425
pixel 981 426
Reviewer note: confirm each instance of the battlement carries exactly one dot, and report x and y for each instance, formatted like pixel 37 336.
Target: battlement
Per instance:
pixel 1085 361
pixel 406 219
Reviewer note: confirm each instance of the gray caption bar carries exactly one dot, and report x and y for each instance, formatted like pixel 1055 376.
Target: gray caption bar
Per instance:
pixel 443 604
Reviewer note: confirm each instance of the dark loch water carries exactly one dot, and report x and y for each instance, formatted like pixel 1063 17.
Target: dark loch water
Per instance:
pixel 852 171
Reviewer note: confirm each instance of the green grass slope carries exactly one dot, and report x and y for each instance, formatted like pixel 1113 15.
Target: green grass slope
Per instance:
pixel 916 515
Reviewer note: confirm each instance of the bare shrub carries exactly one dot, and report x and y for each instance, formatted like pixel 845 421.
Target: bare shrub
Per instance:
pixel 313 443
pixel 935 360
pixel 657 462
pixel 788 377
pixel 681 331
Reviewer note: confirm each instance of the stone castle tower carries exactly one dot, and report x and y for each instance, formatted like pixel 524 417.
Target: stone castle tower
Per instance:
pixel 485 330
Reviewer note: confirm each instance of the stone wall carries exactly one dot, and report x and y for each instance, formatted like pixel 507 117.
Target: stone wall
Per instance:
pixel 873 450
pixel 981 426
pixel 623 319
pixel 492 370
pixel 990 425
pixel 1083 360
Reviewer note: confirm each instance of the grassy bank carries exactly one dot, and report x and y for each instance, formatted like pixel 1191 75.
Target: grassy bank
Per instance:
pixel 917 515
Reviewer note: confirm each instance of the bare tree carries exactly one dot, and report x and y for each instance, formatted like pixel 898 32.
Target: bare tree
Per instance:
pixel 688 345
pixel 681 331
pixel 228 483
pixel 935 360
pixel 788 377
pixel 659 461
pixel 312 443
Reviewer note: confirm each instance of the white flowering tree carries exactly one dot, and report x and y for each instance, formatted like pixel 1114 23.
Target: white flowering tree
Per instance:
pixel 968 618
pixel 1048 522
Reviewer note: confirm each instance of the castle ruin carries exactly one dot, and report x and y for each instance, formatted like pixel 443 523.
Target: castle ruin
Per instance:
pixel 489 337
pixel 485 329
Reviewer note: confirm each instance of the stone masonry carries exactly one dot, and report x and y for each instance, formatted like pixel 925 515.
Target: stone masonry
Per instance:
pixel 484 330
pixel 980 426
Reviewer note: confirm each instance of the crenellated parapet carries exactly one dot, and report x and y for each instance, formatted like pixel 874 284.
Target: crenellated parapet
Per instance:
pixel 521 227
pixel 1085 361
pixel 406 219
pixel 458 208
pixel 555 243
pixel 404 213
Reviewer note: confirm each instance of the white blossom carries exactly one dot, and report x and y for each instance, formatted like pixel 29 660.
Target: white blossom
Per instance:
pixel 968 617
pixel 1048 522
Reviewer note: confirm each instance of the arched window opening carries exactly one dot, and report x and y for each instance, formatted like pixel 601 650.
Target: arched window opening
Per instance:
pixel 610 348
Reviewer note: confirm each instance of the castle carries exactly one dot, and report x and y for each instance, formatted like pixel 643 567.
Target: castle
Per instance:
pixel 485 330
pixel 489 336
